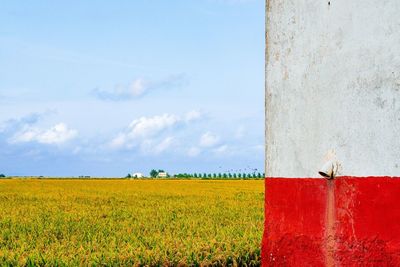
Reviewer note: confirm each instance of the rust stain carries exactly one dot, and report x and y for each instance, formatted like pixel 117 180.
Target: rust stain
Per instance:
pixel 330 225
pixel 268 5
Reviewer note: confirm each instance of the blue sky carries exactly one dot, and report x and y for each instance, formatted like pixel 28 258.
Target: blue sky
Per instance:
pixel 104 88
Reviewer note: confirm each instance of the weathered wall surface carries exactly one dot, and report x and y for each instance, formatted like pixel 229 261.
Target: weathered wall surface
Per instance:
pixel 333 82
pixel 342 222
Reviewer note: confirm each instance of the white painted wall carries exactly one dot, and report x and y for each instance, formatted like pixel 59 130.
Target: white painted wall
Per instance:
pixel 332 82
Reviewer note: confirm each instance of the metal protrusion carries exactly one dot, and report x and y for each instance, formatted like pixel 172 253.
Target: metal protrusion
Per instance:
pixel 331 167
pixel 329 170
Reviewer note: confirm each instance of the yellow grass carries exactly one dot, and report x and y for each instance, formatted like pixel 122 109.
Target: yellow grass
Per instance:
pixel 130 222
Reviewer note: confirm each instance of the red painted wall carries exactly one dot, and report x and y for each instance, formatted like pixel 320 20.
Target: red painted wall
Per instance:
pixel 348 221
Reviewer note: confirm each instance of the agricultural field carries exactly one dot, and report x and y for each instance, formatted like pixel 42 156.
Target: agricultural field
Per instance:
pixel 130 222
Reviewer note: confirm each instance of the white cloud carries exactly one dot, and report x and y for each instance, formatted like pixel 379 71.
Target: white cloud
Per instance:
pixel 209 140
pixel 146 126
pixel 139 130
pixel 142 131
pixel 156 147
pixel 12 125
pixel 137 87
pixel 193 115
pixel 165 144
pixel 58 134
pixel 118 141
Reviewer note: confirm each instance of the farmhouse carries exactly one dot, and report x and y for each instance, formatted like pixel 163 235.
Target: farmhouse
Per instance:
pixel 162 175
pixel 137 175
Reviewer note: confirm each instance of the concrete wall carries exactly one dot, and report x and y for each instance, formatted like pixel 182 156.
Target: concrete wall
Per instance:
pixel 342 222
pixel 332 82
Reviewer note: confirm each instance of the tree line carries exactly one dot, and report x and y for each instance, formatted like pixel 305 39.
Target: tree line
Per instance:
pixel 155 174
pixel 220 175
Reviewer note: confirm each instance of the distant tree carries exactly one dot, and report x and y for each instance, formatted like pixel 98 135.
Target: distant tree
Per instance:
pixel 225 175
pixel 234 175
pixel 240 175
pixel 128 176
pixel 244 175
pixel 205 175
pixel 229 175
pixel 209 175
pixel 219 175
pixel 2 176
pixel 153 173
pixel 258 175
pixel 214 175
pixel 195 175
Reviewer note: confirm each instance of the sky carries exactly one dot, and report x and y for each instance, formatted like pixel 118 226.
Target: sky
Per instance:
pixel 106 88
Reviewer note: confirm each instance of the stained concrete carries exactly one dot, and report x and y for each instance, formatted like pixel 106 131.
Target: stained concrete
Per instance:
pixel 332 82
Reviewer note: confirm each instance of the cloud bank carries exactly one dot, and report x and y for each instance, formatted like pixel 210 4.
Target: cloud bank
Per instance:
pixel 144 132
pixel 58 134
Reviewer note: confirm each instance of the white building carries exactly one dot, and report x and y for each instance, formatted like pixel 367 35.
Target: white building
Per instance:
pixel 137 175
pixel 162 175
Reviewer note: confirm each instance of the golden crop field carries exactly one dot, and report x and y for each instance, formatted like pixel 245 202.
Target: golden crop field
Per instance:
pixel 130 222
